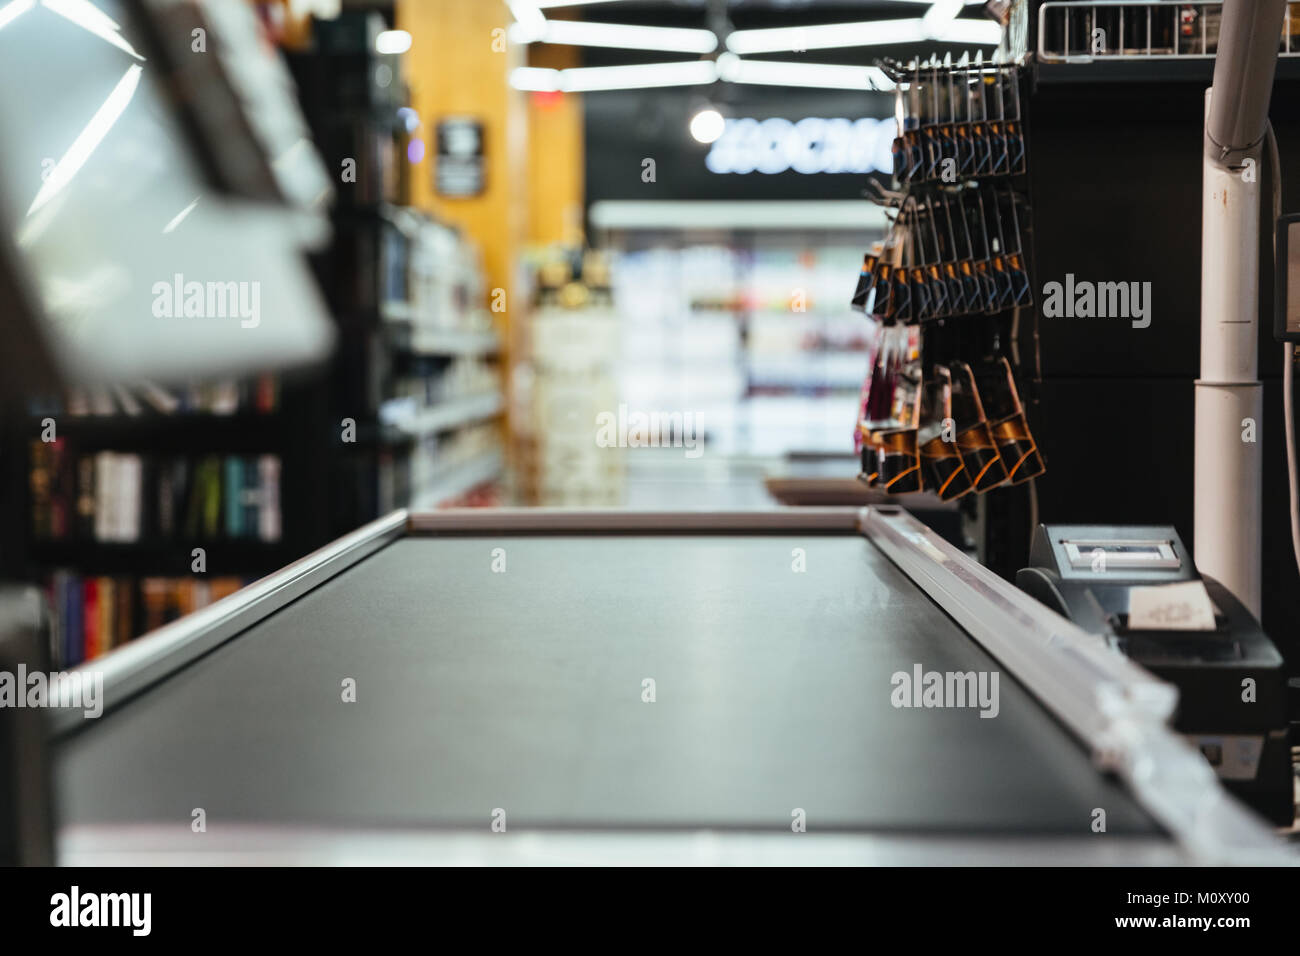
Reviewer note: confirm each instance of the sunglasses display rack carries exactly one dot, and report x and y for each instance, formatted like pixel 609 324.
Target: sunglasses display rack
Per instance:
pixel 940 409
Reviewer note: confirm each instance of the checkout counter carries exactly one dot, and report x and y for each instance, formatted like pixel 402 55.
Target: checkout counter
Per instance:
pixel 539 686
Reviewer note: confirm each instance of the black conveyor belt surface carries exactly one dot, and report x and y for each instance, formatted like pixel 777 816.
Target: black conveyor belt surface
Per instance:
pixel 522 690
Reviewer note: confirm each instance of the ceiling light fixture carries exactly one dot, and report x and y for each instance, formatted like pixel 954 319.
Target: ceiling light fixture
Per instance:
pixel 593 78
pixel 942 12
pixel 529 20
pixel 969 32
pixel 826 36
pixel 639 76
pixel 940 24
pixel 392 42
pixel 617 36
pixel 534 79
pixel 817 75
pixel 707 125
pixel 730 68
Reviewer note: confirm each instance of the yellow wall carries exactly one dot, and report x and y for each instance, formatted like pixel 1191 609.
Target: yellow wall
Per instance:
pixel 459 65
pixel 555 157
pixel 534 150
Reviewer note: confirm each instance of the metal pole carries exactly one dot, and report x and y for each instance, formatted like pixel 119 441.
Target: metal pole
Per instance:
pixel 1229 397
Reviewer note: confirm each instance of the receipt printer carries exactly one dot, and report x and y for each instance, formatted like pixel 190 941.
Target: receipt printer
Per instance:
pixel 1136 585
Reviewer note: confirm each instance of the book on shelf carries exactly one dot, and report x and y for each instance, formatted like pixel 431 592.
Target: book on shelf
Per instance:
pixel 50 486
pixel 96 614
pixel 125 497
pixel 219 398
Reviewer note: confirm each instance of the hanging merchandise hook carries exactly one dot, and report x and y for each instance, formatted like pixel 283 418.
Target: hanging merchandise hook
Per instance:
pixel 916 150
pixel 902 290
pixel 998 129
pixel 983 266
pixel 864 295
pixel 883 292
pixel 1022 294
pixel 1015 127
pixel 956 298
pixel 934 139
pixel 940 305
pixel 913 274
pixel 965 138
pixel 883 196
pixel 979 127
pixel 1001 275
pixel 949 161
pixel 924 274
pixel 898 149
pixel 972 288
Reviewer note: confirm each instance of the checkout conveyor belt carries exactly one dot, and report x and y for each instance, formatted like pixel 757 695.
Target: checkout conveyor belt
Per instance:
pixel 500 662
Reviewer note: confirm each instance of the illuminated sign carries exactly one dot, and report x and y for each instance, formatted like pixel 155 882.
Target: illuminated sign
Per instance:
pixel 809 146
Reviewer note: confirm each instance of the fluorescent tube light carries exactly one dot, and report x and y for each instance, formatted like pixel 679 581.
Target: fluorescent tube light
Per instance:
pixel 392 41
pixel 970 32
pixel 827 36
pixel 816 75
pixel 617 36
pixel 529 20
pixel 941 12
pixel 635 77
pixel 638 76
pixel 730 68
pixel 534 79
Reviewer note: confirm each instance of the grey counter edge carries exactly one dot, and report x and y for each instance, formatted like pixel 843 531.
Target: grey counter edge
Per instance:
pixel 152 845
pixel 152 657
pixel 514 521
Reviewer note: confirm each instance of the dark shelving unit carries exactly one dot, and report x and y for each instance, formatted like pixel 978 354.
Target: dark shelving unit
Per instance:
pixel 1115 405
pixel 327 486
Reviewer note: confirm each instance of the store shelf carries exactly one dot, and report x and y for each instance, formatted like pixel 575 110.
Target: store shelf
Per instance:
pixel 396 312
pixel 446 416
pixel 457 479
pixel 403 337
pixel 242 556
pixel 181 432
pixel 822 369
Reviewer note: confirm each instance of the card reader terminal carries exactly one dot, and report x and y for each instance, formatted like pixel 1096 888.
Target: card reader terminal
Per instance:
pixel 1139 588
